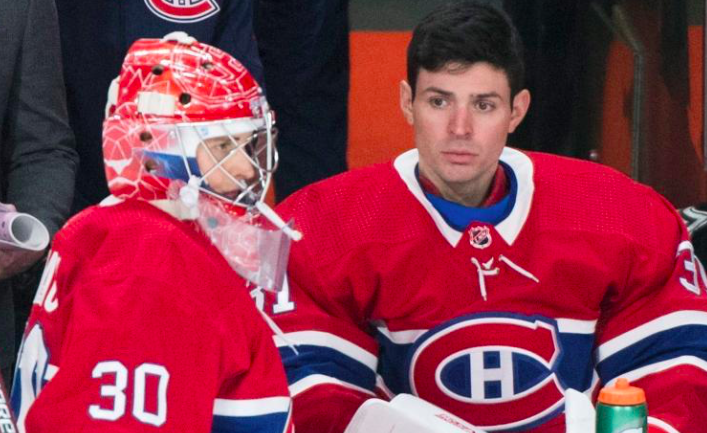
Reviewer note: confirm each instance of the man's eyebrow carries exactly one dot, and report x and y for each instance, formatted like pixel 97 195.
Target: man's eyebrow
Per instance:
pixel 433 89
pixel 489 95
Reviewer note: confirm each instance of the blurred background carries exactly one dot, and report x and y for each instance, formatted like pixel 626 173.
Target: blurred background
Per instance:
pixel 620 82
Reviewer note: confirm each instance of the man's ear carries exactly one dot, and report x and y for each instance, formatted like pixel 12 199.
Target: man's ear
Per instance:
pixel 521 103
pixel 406 101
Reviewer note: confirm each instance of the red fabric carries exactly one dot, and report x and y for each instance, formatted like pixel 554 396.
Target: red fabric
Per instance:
pixel 131 291
pixel 326 408
pixel 673 396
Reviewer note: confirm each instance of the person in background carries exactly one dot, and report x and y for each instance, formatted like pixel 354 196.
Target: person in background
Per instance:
pixel 483 279
pixel 37 155
pixel 96 34
pixel 142 321
pixel 304 47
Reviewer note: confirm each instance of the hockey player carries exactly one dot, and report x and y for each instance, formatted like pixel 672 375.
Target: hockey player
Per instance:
pixel 140 322
pixel 483 279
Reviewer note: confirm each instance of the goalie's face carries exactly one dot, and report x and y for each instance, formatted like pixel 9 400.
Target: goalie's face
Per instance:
pixel 225 163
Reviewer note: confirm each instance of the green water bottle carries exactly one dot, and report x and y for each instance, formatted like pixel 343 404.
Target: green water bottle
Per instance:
pixel 622 409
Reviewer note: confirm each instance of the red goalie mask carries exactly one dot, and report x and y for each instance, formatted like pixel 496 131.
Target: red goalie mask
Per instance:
pixel 183 110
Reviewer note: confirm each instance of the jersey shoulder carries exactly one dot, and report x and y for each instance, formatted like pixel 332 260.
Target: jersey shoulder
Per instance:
pixel 361 207
pixel 575 194
pixel 136 241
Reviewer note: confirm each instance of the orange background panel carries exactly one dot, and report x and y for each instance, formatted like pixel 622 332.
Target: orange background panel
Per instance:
pixel 615 144
pixel 377 130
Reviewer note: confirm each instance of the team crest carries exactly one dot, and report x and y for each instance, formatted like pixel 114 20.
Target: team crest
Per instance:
pixel 183 11
pixel 480 237
pixel 497 372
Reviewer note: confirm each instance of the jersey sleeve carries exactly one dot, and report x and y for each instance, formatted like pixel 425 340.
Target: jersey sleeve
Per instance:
pixel 258 399
pixel 653 329
pixel 329 355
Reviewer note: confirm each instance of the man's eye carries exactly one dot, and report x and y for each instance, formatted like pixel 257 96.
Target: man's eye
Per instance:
pixel 438 102
pixel 226 146
pixel 484 106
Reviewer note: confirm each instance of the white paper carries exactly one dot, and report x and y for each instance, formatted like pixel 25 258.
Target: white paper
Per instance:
pixel 406 414
pixel 23 231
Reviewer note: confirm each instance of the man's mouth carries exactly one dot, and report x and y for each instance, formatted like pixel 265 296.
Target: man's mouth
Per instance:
pixel 458 156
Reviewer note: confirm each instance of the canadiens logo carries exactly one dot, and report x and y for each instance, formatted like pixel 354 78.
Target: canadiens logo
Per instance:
pixel 183 11
pixel 480 237
pixel 496 372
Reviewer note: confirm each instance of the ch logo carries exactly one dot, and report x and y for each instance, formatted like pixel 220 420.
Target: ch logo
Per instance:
pixel 496 372
pixel 183 11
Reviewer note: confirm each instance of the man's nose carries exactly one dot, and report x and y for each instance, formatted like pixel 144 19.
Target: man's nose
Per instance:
pixel 460 122
pixel 240 168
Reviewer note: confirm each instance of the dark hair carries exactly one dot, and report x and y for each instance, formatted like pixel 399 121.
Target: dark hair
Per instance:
pixel 466 32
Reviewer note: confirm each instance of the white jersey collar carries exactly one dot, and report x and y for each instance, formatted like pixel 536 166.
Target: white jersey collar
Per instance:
pixel 510 227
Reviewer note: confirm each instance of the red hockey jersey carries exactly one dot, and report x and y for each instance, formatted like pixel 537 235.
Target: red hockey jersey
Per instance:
pixel 590 276
pixel 140 325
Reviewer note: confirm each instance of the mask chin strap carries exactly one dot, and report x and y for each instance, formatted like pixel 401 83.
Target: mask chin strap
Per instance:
pixel 189 198
pixel 274 218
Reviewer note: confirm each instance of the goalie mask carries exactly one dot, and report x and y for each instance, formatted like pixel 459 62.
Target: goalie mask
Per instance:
pixel 181 110
pixel 188 129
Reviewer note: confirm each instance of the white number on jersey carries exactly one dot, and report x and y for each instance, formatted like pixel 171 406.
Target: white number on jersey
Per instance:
pixel 116 391
pixel 283 303
pixel 46 291
pixel 694 268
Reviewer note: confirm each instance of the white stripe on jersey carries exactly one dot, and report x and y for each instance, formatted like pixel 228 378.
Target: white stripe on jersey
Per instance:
pixel 330 341
pixel 662 424
pixel 52 370
pixel 574 326
pixel 663 323
pixel 662 366
pixel 522 167
pixel 565 326
pixel 382 387
pixel 254 407
pixel 405 166
pixel 401 337
pixel 319 379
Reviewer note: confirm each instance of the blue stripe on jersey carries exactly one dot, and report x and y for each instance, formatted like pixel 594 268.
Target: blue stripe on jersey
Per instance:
pixel 271 423
pixel 661 346
pixel 16 393
pixel 459 216
pixel 327 361
pixel 393 364
pixel 575 369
